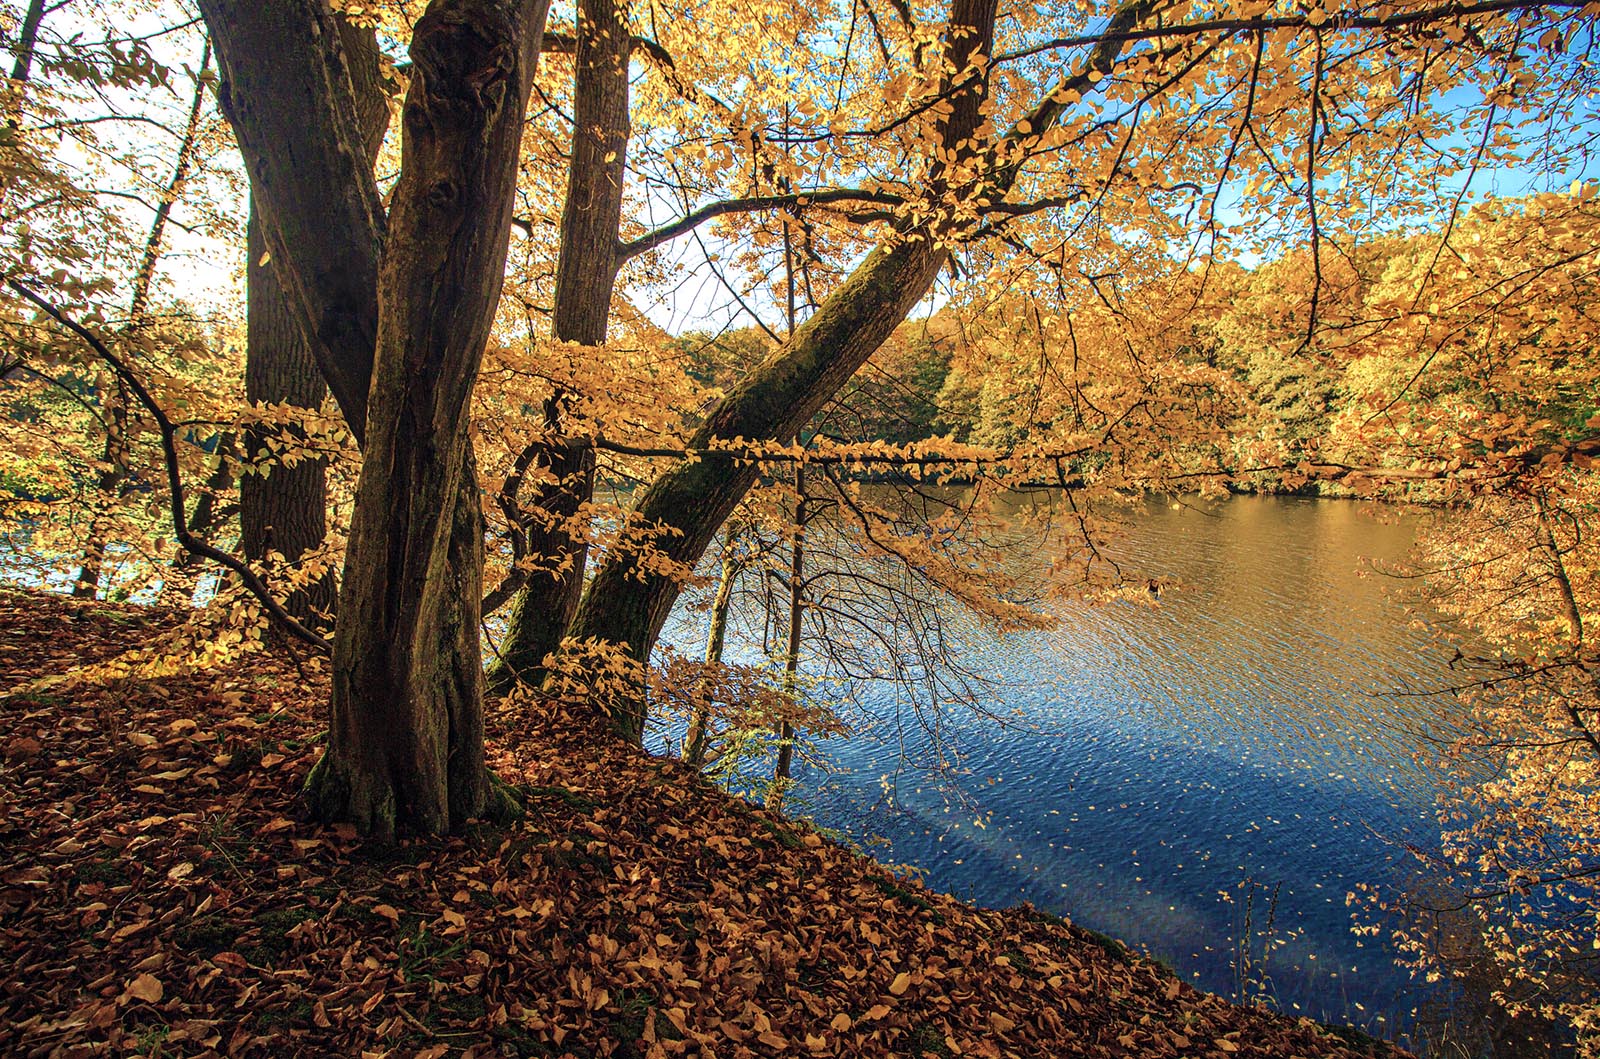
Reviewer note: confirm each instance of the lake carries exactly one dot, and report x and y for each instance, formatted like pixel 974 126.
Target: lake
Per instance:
pixel 1206 777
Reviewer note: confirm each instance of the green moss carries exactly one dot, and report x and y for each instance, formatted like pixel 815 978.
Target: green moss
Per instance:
pixel 571 798
pixel 632 1016
pixel 926 1039
pixel 295 1016
pixel 1353 1038
pixel 1019 960
pixel 207 935
pixel 895 890
pixel 423 953
pixel 272 929
pixel 103 870
pixel 786 837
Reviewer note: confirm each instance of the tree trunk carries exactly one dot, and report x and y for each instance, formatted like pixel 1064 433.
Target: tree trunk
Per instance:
pixel 626 605
pixel 178 587
pixel 27 41
pixel 405 747
pixel 586 276
pixel 694 740
pixel 285 509
pixel 791 658
pixel 288 90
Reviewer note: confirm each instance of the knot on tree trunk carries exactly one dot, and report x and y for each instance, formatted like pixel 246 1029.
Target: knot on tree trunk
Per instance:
pixel 464 55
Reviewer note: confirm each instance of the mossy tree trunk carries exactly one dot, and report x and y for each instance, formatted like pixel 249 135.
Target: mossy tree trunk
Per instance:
pixel 626 605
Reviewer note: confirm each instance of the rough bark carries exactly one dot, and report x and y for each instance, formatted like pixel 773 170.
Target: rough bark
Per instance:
pixel 586 276
pixel 405 747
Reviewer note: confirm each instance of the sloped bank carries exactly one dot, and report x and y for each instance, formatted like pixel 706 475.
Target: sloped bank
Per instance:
pixel 160 897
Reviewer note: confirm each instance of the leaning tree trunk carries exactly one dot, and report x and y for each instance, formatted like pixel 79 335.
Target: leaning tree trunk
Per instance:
pixel 628 605
pixel 586 277
pixel 405 746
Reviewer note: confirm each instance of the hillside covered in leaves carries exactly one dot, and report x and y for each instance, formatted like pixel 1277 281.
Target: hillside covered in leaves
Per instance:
pixel 159 896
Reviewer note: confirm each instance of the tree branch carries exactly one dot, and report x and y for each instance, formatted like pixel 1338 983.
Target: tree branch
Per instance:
pixel 169 450
pixel 690 221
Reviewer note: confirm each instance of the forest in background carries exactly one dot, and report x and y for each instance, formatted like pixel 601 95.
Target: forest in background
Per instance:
pixel 1071 197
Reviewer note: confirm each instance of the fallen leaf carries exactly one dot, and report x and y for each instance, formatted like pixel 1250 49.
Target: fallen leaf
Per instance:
pixel 145 987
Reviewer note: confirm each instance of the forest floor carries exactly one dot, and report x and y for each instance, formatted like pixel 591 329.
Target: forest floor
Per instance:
pixel 160 896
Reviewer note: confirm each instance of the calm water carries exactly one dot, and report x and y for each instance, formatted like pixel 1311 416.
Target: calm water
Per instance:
pixel 1241 737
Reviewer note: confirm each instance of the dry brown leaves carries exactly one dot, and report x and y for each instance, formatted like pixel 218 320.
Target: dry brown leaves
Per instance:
pixel 160 897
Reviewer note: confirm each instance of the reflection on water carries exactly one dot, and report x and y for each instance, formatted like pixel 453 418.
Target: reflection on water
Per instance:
pixel 1240 735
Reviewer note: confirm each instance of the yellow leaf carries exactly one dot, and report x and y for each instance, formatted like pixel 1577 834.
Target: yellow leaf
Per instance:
pixel 901 983
pixel 841 1022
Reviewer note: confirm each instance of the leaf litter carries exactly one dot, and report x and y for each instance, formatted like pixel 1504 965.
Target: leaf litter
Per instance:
pixel 160 895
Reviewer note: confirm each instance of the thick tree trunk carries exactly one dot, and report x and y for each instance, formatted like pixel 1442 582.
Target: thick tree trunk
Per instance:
pixel 285 509
pixel 586 276
pixel 288 90
pixel 405 744
pixel 405 748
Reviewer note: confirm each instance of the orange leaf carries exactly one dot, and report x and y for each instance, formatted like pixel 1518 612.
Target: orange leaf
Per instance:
pixel 145 987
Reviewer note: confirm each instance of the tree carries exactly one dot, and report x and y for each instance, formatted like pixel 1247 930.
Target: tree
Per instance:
pixel 786 390
pixel 399 307
pixel 586 274
pixel 283 503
